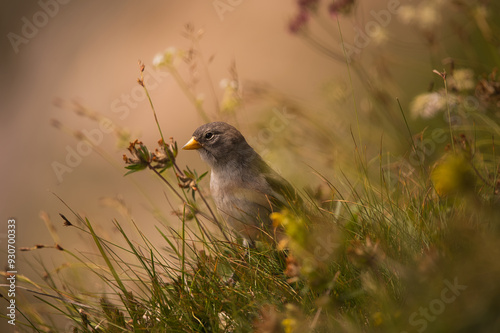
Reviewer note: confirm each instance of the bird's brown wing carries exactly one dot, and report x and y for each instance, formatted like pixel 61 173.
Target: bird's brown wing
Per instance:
pixel 284 194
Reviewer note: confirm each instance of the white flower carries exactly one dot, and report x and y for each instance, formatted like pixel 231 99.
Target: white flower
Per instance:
pixel 427 105
pixel 406 14
pixel 233 84
pixel 379 35
pixel 428 16
pixel 158 59
pixel 166 58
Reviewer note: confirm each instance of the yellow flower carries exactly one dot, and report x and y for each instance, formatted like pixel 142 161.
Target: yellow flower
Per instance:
pixel 377 318
pixel 452 175
pixel 295 227
pixel 289 325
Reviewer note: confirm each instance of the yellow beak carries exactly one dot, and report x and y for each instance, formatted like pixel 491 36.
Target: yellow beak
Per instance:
pixel 192 144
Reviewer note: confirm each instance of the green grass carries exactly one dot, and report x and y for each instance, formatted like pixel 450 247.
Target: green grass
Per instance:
pixel 399 239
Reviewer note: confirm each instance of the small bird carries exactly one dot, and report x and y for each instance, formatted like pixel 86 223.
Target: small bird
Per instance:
pixel 244 188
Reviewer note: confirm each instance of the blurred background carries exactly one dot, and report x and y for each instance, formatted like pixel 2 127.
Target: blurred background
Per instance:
pixel 67 65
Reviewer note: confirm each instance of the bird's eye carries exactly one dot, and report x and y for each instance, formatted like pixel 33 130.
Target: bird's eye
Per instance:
pixel 209 136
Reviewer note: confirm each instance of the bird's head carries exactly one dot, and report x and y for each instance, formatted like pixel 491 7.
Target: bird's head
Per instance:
pixel 219 143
